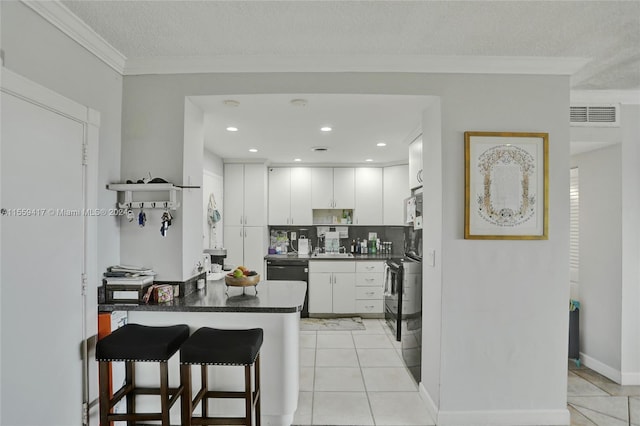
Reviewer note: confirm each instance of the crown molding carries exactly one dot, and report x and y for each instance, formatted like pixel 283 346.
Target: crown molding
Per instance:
pixel 624 97
pixel 67 22
pixel 355 63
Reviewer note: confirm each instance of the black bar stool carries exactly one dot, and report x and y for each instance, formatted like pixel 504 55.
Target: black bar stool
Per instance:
pixel 138 343
pixel 210 346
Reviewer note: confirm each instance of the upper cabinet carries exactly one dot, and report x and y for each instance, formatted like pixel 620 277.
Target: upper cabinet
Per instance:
pixel 332 188
pixel 245 194
pixel 290 196
pixel 395 191
pixel 415 163
pixel 368 196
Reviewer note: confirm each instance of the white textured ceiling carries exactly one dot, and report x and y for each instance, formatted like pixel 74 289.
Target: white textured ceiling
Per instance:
pixel 608 32
pixel 384 33
pixel 282 132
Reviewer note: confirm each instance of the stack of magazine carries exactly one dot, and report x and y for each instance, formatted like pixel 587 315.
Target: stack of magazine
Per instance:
pixel 130 276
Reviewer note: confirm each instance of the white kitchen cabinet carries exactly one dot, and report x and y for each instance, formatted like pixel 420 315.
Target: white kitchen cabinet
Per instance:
pixel 415 163
pixel 369 288
pixel 394 191
pixel 332 188
pixel 368 196
pixel 245 194
pixel 332 287
pixel 246 245
pixel 290 196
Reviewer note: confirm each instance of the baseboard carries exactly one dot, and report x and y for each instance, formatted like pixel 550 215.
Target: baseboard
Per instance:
pixel 630 379
pixel 431 406
pixel 504 418
pixel 601 367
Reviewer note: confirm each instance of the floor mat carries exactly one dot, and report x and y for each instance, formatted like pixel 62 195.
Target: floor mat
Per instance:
pixel 321 324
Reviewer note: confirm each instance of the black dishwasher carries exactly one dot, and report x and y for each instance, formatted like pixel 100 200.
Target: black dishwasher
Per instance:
pixel 291 269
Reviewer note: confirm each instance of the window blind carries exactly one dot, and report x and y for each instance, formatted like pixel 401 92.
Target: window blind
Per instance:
pixel 574 226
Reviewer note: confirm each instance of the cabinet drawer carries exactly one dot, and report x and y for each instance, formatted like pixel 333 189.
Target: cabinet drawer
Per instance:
pixel 369 293
pixel 329 266
pixel 369 306
pixel 365 266
pixel 369 279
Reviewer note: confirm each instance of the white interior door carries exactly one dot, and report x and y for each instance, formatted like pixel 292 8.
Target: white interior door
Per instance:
pixel 42 261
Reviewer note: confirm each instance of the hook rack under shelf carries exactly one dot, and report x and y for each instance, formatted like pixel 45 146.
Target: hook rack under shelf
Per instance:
pixel 130 188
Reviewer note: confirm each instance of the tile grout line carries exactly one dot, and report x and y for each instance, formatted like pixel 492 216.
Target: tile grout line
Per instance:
pixel 364 383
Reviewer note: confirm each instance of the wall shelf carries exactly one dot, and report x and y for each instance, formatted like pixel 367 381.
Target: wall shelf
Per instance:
pixel 169 202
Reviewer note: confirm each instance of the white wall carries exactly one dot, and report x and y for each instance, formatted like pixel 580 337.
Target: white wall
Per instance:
pixel 601 255
pixel 621 364
pixel 192 198
pixel 630 118
pixel 36 50
pixel 503 306
pixel 212 183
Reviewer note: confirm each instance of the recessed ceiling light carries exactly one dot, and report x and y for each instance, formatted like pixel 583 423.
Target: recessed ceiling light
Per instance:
pixel 253 150
pixel 368 160
pixel 232 129
pixel 381 144
pixel 297 159
pixel 325 129
pixel 231 103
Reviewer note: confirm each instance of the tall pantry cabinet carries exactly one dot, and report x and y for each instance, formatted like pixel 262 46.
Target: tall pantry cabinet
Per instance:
pixel 245 214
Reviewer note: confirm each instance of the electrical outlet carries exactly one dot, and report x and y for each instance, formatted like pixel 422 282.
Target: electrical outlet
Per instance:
pixel 293 235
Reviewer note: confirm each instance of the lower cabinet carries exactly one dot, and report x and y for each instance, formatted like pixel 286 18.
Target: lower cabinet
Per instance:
pixel 370 287
pixel 346 287
pixel 332 287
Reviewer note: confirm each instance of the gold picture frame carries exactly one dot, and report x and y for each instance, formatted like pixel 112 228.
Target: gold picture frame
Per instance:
pixel 506 186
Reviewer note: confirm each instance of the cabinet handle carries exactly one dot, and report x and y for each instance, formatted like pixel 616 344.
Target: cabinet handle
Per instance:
pixel 369 279
pixel 370 293
pixel 241 233
pixel 240 219
pixel 292 220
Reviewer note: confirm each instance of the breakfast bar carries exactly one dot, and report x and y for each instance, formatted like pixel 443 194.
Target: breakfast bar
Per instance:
pixel 275 307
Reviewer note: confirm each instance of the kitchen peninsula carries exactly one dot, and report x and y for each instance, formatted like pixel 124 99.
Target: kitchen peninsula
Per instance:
pixel 275 308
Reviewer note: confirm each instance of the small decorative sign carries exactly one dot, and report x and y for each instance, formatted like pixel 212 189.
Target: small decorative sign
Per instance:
pixel 506 185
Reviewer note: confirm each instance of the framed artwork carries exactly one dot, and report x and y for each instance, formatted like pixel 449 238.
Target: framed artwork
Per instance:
pixel 506 186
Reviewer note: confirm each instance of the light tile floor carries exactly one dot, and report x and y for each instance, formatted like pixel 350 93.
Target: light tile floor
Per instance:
pixel 356 378
pixel 594 400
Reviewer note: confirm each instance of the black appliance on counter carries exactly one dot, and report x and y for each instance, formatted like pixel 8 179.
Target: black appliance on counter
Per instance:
pixel 291 269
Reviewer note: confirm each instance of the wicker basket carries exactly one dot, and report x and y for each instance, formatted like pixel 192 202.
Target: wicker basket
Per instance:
pixel 232 281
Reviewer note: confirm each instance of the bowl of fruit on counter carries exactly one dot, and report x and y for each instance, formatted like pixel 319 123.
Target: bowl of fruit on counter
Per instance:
pixel 242 277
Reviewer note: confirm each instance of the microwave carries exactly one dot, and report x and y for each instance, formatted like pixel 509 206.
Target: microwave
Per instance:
pixel 413 211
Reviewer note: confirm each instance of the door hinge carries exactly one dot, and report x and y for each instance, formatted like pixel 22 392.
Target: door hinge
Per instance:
pixel 83 279
pixel 85 413
pixel 85 154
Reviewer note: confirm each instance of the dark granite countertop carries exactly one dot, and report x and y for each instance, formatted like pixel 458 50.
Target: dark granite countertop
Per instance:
pixel 272 297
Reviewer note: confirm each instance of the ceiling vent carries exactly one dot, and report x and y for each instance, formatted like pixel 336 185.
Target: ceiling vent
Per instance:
pixel 594 115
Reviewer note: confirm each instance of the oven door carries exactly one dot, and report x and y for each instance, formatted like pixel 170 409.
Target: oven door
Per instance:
pixel 393 297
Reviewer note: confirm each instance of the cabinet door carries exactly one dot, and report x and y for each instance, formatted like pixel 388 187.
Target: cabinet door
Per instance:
pixel 321 188
pixel 368 196
pixel 280 196
pixel 255 248
pixel 344 293
pixel 301 213
pixel 395 190
pixel 234 243
pixel 344 188
pixel 415 164
pixel 320 293
pixel 233 194
pixel 255 194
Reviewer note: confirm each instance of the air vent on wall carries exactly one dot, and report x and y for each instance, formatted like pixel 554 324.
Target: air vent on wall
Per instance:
pixel 594 115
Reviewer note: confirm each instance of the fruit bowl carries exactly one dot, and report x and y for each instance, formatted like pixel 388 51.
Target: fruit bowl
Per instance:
pixel 232 281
